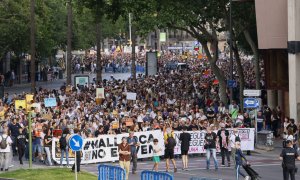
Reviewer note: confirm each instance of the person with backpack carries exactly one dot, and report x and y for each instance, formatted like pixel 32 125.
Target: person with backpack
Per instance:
pixel 5 148
pixel 64 148
pixel 170 144
pixel 210 146
pixel 133 142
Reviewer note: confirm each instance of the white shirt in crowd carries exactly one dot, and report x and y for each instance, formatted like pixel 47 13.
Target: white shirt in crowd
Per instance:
pixel 232 140
pixel 156 149
pixel 140 118
pixel 9 142
pixel 290 137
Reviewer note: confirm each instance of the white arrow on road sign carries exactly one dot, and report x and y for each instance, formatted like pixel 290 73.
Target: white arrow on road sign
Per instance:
pixel 250 102
pixel 76 143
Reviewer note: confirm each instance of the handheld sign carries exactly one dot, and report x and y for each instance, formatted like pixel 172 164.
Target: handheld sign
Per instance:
pixel 75 142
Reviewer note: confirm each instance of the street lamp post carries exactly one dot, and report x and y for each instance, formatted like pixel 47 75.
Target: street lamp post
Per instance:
pixel 32 44
pixel 230 48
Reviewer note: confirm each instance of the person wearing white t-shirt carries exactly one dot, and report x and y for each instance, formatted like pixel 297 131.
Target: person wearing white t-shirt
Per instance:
pixel 233 139
pixel 156 150
pixel 5 152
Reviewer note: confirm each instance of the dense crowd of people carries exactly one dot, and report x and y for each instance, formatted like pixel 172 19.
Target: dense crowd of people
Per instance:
pixel 169 101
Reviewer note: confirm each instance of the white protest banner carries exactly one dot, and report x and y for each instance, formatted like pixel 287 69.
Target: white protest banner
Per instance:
pixel 105 147
pixel 197 140
pixel 196 143
pixel 50 102
pixel 100 93
pixel 131 96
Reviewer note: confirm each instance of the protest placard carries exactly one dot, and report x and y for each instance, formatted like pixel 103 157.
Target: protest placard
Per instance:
pixel 29 98
pixel 20 104
pixel 131 96
pixel 100 93
pixel 50 102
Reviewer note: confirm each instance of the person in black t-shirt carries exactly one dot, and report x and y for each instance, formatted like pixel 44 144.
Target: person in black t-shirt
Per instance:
pixel 14 131
pixel 21 142
pixel 223 135
pixel 185 139
pixel 193 126
pixel 210 146
pixel 288 157
pixel 123 129
pixel 48 145
pixel 292 126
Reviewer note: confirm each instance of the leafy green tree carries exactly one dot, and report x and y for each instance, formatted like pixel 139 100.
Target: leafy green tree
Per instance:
pixel 200 18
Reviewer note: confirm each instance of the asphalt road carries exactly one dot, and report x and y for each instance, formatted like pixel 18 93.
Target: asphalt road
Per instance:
pixel 56 84
pixel 267 165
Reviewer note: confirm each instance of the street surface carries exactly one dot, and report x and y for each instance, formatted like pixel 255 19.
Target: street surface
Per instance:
pixel 267 165
pixel 56 84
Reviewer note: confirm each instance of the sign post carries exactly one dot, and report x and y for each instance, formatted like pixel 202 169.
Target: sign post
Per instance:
pixel 30 140
pixel 252 92
pixel 231 84
pixel 75 144
pixel 253 103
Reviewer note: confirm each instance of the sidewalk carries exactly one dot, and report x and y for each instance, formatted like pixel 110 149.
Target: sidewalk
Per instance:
pixel 15 164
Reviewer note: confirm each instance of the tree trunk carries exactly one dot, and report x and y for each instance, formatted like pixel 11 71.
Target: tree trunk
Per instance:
pixel 216 70
pixel 133 66
pixel 32 44
pixel 98 44
pixel 20 69
pixel 256 57
pixel 69 43
pixel 240 73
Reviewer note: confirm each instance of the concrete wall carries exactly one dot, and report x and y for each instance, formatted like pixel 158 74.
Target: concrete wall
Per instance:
pixel 271 18
pixel 294 59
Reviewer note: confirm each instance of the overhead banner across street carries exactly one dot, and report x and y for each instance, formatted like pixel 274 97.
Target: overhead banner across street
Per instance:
pixel 105 147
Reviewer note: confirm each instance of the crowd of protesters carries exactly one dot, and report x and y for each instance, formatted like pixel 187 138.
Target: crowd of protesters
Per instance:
pixel 170 100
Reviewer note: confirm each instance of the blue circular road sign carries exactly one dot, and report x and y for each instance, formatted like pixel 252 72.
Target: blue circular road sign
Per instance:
pixel 75 142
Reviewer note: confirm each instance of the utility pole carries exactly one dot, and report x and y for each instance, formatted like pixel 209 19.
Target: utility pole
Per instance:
pixel 99 63
pixel 30 138
pixel 132 38
pixel 32 44
pixel 230 46
pixel 129 17
pixel 69 42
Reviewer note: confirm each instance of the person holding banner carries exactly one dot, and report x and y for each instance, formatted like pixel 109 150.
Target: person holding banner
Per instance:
pixel 185 139
pixel 210 146
pixel 224 140
pixel 170 144
pixel 124 156
pixel 133 142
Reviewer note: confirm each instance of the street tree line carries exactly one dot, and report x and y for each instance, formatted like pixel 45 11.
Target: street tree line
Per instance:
pixel 93 20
